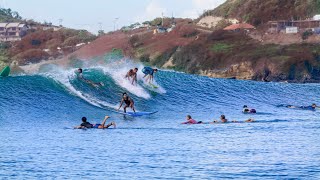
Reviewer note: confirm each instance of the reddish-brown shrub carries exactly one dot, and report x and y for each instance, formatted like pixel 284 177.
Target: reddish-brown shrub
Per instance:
pixel 31 56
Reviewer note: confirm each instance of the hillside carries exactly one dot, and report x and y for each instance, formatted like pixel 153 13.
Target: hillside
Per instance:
pixel 38 43
pixel 193 49
pixel 47 44
pixel 258 12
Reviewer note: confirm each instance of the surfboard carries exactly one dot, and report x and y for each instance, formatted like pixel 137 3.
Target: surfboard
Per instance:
pixel 137 114
pixel 153 86
pixel 5 71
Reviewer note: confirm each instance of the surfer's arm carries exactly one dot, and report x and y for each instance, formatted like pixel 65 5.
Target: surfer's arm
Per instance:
pixel 136 78
pixel 79 127
pixel 187 122
pixel 120 104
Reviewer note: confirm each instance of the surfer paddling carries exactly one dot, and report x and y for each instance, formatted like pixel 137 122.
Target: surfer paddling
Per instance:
pixel 223 120
pixel 86 125
pixel 312 107
pixel 149 73
pixel 127 101
pixel 80 76
pixel 191 121
pixel 132 75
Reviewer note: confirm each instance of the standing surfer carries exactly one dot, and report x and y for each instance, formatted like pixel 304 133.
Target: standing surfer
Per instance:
pixel 128 103
pixel 149 73
pixel 132 73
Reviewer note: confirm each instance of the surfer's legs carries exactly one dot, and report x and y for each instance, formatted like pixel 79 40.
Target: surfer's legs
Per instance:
pixel 102 126
pixel 103 122
pixel 92 83
pixel 110 124
pixel 125 108
pixel 149 78
pixel 132 107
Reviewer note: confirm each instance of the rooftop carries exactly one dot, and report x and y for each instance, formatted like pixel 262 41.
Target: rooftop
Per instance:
pixel 239 26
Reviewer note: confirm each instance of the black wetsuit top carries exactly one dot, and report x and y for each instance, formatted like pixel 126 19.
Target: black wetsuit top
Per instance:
pixel 127 101
pixel 87 125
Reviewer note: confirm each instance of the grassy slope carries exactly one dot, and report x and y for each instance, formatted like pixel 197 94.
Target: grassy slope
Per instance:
pixel 220 50
pixel 261 11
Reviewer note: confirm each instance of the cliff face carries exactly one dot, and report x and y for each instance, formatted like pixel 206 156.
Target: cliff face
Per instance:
pixel 235 55
pixel 261 11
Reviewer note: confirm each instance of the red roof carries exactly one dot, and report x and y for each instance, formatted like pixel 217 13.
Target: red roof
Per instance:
pixel 239 26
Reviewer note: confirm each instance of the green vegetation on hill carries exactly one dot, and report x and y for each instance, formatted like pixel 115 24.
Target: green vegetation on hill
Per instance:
pixel 7 15
pixel 261 11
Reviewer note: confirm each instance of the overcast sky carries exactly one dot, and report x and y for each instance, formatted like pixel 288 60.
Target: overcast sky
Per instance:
pixel 87 14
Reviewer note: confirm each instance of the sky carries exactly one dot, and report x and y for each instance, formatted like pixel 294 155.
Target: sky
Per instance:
pixel 107 14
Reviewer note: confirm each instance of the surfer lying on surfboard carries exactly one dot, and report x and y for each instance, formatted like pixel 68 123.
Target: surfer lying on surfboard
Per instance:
pixel 149 73
pixel 128 102
pixel 85 124
pixel 94 84
pixel 312 107
pixel 191 121
pixel 222 120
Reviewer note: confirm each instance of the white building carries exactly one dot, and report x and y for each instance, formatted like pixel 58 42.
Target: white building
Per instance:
pixel 291 30
pixel 316 17
pixel 12 31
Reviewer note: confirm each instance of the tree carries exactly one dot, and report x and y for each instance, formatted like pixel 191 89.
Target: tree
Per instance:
pixel 16 15
pixel 101 33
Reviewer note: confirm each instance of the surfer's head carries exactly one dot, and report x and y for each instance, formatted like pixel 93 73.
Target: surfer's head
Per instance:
pixel 124 95
pixel 84 119
pixel 245 106
pixel 188 117
pixel 155 70
pixel 135 70
pixel 222 117
pixel 79 70
pixel 314 105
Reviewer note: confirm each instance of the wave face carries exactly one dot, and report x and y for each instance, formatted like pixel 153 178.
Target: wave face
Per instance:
pixel 40 107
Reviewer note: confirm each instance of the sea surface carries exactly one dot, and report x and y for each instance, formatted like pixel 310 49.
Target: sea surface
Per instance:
pixel 39 110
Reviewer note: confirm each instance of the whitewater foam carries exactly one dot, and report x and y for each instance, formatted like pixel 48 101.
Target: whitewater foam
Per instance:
pixel 64 77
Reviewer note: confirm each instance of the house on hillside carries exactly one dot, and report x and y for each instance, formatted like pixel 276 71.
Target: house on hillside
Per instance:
pixel 316 17
pixel 54 28
pixel 234 21
pixel 160 29
pixel 3 31
pixel 293 26
pixel 239 27
pixel 12 31
pixel 46 27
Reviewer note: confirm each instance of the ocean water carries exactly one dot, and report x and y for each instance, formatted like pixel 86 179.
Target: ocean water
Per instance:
pixel 38 112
